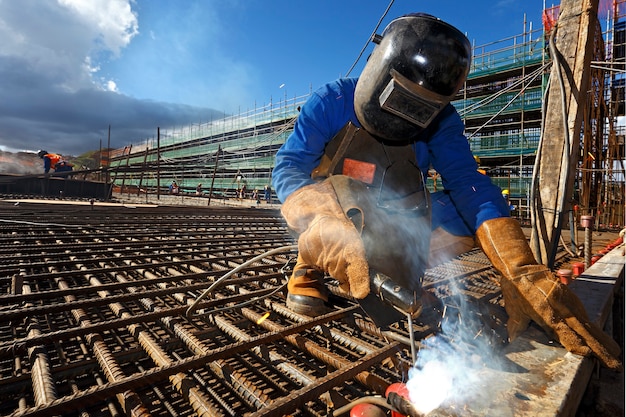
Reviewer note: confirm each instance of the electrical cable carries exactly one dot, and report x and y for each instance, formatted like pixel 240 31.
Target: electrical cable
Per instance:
pixel 489 99
pixel 220 280
pixel 375 400
pixel 536 74
pixel 370 38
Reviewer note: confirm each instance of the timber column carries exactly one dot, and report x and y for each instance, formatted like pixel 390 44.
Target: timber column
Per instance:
pixel 557 155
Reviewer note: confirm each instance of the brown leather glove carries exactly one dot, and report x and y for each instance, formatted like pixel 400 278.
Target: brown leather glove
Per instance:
pixel 328 239
pixel 532 292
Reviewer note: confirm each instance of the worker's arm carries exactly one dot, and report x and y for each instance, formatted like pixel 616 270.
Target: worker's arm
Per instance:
pixel 474 196
pixel 532 292
pixel 323 115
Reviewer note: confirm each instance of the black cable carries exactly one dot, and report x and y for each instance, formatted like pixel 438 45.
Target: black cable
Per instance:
pixel 370 38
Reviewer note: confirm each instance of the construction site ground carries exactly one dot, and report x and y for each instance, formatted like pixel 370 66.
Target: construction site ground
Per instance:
pixel 605 396
pixel 602 396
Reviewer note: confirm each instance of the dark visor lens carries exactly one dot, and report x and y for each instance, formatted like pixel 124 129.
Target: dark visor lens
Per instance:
pixel 411 108
pixel 410 101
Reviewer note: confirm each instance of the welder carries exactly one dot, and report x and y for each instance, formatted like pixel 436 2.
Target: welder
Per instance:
pixel 351 179
pixel 54 161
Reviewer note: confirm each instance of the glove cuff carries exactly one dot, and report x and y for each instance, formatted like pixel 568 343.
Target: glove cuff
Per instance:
pixel 505 244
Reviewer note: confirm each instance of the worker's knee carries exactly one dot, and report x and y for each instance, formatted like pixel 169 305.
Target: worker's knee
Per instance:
pixel 445 246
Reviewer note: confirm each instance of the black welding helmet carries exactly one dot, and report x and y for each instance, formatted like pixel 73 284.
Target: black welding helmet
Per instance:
pixel 42 153
pixel 416 68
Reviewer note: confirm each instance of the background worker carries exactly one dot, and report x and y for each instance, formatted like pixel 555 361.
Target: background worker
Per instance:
pixel 55 162
pixel 174 189
pixel 267 194
pixel 505 195
pixel 351 179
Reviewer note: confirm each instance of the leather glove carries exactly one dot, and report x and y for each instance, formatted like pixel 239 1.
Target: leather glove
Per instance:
pixel 327 238
pixel 532 292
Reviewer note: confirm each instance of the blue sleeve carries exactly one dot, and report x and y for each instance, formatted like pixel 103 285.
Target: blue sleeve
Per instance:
pixel 321 117
pixel 473 194
pixel 46 164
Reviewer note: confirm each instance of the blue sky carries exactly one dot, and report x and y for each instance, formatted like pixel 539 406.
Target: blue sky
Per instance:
pixel 71 68
pixel 228 54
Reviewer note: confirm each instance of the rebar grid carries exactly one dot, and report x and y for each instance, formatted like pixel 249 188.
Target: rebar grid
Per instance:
pixel 92 317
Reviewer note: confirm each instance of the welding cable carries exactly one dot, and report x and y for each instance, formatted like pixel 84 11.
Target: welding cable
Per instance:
pixel 372 36
pixel 375 400
pixel 567 249
pixel 219 281
pixel 245 303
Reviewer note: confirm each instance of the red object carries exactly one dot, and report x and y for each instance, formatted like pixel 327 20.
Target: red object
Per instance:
pixel 359 170
pixel 549 18
pixel 615 243
pixel 366 410
pixel 578 268
pixel 565 275
pixel 586 221
pixel 400 389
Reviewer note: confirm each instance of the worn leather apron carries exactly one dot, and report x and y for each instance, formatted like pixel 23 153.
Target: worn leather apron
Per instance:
pixel 383 192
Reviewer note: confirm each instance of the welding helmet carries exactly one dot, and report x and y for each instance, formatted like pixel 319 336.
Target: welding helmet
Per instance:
pixel 416 68
pixel 42 153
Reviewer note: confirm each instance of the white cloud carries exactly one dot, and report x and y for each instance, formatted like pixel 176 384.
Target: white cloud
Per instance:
pixel 62 41
pixel 113 22
pixel 111 86
pixel 53 93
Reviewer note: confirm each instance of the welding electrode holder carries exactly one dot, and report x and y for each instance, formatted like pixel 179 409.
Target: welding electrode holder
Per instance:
pixel 402 299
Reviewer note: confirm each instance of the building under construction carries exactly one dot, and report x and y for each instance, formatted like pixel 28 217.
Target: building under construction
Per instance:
pixel 126 307
pixel 501 105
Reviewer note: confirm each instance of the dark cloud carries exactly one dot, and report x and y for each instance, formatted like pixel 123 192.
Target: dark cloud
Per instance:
pixel 50 99
pixel 37 114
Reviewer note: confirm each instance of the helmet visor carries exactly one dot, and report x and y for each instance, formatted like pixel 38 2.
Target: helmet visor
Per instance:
pixel 411 101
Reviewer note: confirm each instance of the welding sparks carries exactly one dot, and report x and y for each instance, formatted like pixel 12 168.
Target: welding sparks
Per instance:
pixel 263 318
pixel 448 370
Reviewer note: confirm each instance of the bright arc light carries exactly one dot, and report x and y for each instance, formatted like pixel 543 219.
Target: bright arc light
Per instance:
pixel 429 386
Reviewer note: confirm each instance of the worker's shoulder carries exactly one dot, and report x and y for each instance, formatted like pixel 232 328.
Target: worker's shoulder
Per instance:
pixel 341 88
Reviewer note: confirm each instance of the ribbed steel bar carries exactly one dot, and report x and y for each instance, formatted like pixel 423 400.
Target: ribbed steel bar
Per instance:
pixel 73 402
pixel 129 400
pixel 110 287
pixel 328 357
pixel 196 397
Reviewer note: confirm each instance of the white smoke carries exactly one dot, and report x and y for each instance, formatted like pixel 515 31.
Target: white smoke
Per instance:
pixel 454 368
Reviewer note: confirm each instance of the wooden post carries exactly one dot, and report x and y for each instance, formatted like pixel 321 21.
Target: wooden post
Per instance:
pixel 557 155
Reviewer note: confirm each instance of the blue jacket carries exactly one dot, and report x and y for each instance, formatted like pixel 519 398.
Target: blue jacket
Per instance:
pixel 469 198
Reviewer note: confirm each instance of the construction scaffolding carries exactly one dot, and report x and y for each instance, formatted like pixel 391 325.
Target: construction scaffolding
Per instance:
pixel 223 155
pixel 501 105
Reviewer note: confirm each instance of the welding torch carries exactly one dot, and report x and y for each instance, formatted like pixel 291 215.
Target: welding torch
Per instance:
pixel 391 293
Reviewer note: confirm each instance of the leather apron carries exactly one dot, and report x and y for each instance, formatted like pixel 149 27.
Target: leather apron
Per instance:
pixel 383 192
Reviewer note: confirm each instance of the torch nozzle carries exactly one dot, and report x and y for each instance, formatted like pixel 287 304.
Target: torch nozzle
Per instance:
pixel 393 294
pixel 402 405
